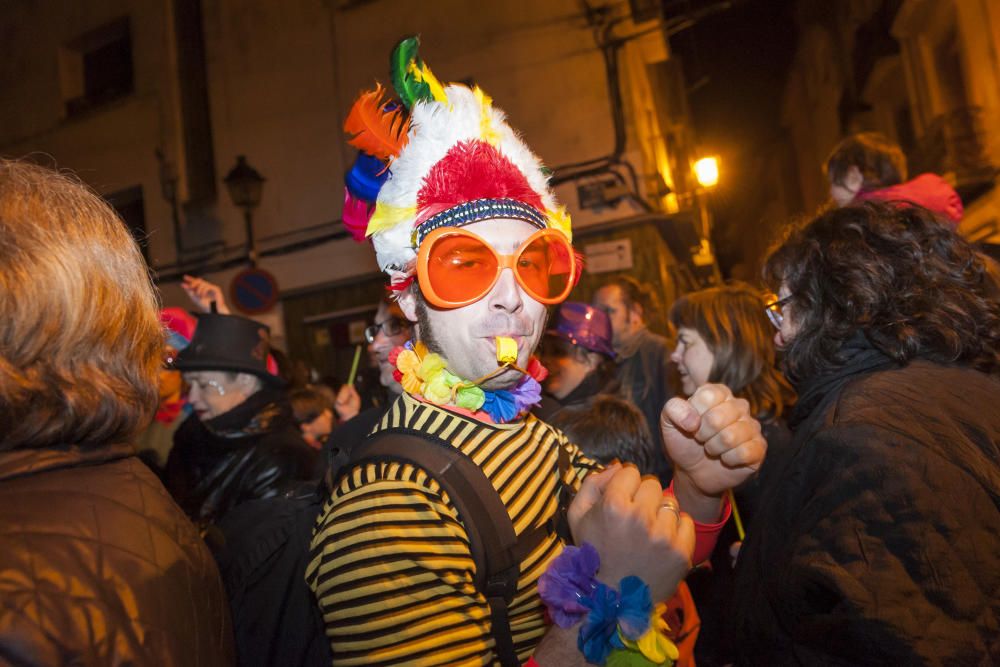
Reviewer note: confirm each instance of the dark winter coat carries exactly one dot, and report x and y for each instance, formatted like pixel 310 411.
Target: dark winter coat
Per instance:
pixel 253 451
pixel 98 566
pixel 877 541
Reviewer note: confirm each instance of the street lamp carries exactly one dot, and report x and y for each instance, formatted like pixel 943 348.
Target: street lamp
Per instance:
pixel 245 185
pixel 706 170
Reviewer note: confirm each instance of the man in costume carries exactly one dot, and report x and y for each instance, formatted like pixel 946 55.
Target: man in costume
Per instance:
pixel 463 221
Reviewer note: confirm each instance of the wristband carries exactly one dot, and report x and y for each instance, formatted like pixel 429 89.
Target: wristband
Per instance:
pixel 617 624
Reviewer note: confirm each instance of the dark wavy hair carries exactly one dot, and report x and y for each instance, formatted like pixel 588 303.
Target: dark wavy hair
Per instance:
pixel 607 428
pixel 733 323
pixel 913 287
pixel 880 161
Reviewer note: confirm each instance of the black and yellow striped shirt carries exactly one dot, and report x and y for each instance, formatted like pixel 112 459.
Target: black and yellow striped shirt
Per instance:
pixel 390 561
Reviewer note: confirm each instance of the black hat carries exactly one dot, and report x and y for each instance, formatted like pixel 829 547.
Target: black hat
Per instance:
pixel 228 343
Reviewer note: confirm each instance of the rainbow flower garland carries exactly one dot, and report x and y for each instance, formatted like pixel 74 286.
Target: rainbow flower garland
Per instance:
pixel 424 373
pixel 620 628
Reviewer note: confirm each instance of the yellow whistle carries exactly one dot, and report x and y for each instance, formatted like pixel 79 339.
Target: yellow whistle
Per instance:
pixel 506 350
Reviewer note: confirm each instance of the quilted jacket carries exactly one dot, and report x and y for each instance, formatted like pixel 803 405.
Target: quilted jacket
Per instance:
pixel 98 566
pixel 877 539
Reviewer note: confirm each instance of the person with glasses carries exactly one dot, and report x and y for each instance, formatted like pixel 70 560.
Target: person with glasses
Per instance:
pixel 878 540
pixel 391 329
pixel 241 443
pixel 476 249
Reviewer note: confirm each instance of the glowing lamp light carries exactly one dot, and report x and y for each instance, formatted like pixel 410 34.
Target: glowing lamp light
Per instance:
pixel 706 170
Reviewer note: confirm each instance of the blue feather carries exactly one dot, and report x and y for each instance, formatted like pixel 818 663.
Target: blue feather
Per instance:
pixel 366 177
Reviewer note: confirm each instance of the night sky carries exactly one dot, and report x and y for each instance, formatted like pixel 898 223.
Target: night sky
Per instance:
pixel 736 63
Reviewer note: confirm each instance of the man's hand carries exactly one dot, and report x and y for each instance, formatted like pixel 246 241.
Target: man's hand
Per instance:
pixel 623 516
pixel 203 293
pixel 713 442
pixel 348 402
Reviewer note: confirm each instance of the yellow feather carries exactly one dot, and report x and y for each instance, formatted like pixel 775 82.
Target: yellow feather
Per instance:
pixel 557 219
pixel 486 129
pixel 387 217
pixel 425 74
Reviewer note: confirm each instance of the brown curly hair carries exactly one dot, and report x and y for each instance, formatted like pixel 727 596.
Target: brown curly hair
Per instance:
pixel 913 287
pixel 732 321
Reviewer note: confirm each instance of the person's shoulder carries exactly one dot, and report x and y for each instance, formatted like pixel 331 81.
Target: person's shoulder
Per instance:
pixel 920 388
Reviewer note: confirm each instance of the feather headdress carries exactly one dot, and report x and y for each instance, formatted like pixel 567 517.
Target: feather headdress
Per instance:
pixel 452 149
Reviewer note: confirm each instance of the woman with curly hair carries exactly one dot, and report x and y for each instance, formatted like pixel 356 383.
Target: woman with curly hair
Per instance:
pixel 878 538
pixel 724 336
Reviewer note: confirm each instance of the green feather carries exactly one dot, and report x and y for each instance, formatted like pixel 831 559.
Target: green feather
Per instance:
pixel 407 86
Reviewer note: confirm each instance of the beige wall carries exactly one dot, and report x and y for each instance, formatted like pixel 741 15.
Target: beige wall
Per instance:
pixel 111 149
pixel 281 77
pixel 271 80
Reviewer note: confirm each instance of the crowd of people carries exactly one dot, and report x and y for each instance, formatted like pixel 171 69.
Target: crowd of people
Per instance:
pixel 805 471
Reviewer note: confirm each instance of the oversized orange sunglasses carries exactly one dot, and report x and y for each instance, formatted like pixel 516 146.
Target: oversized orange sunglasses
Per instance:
pixel 455 267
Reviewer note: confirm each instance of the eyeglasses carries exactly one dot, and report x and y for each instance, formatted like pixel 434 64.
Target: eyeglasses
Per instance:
pixel 773 310
pixel 203 386
pixel 455 267
pixel 389 327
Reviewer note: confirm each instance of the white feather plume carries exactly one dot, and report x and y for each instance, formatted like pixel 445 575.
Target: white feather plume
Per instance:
pixel 434 129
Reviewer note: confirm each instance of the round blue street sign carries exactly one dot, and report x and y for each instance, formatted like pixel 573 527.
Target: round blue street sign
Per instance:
pixel 254 291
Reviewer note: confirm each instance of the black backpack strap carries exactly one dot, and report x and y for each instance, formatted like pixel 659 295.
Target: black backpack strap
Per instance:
pixel 492 540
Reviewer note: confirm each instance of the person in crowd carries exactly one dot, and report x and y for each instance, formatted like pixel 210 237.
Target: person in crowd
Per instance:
pixel 156 441
pixel 208 296
pixel 99 565
pixel 390 330
pixel 313 413
pixel 578 355
pixel 241 441
pixel 878 541
pixel 868 166
pixel 607 429
pixel 643 357
pixel 724 335
pixel 482 251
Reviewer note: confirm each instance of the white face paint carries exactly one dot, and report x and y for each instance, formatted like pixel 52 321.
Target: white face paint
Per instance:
pixel 466 336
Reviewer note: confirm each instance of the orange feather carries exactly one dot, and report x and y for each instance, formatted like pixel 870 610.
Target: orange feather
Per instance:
pixel 373 129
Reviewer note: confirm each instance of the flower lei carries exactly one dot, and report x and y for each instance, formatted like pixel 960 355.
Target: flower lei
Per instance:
pixel 425 373
pixel 621 628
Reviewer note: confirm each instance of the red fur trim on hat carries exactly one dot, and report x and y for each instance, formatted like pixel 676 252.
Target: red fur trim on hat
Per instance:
pixel 400 285
pixel 474 170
